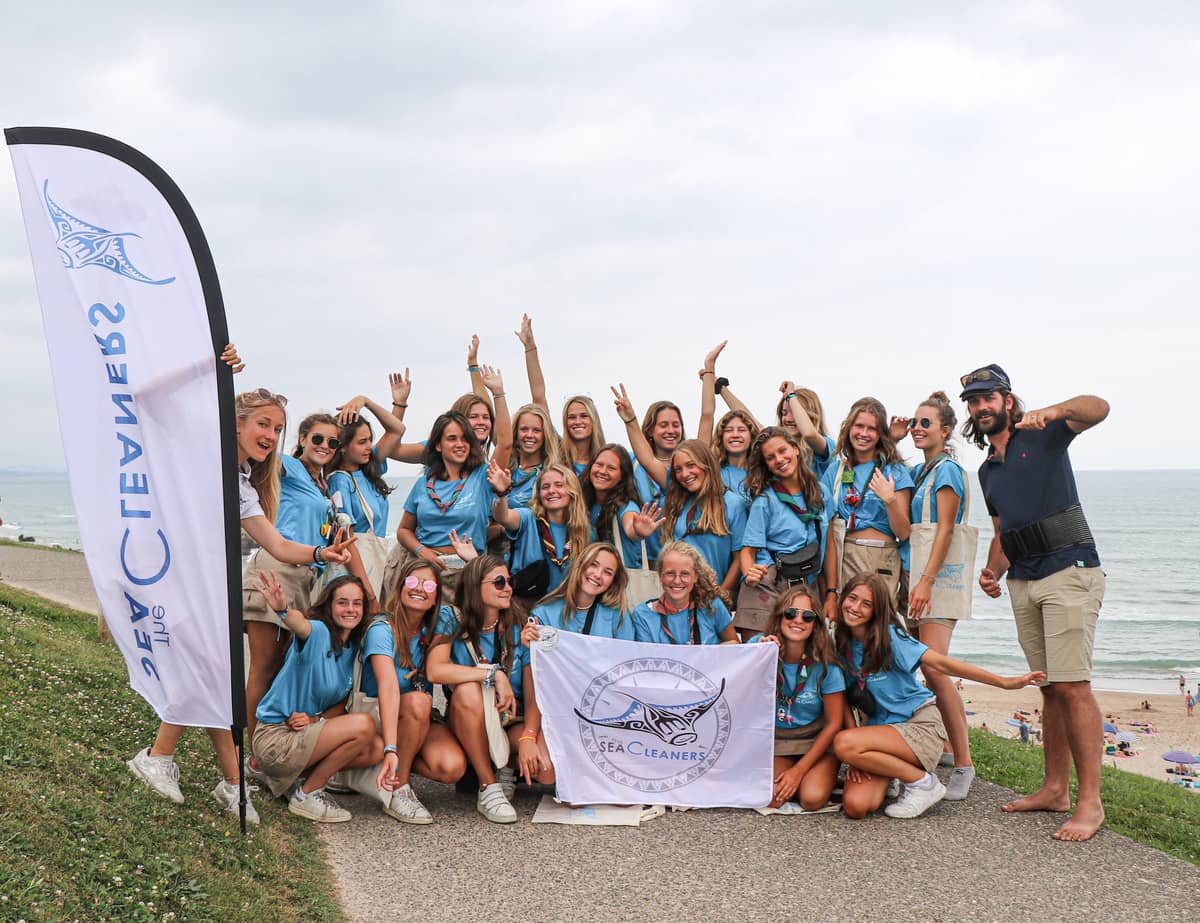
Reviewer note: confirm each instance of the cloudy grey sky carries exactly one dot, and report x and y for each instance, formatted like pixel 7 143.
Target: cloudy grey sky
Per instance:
pixel 869 199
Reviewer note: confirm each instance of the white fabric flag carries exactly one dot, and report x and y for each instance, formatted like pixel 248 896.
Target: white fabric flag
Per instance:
pixel 628 722
pixel 133 320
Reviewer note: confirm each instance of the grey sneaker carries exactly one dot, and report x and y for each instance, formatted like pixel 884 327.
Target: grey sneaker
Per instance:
pixel 946 759
pixel 893 789
pixel 958 786
pixel 227 796
pixel 406 806
pixel 317 806
pixel 915 801
pixel 338 785
pixel 494 806
pixel 158 772
pixel 507 777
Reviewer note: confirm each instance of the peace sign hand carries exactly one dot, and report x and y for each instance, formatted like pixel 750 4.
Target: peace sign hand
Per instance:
pixel 272 590
pixel 339 551
pixel 624 406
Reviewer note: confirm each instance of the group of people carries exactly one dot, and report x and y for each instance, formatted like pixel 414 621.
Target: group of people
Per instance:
pixel 747 533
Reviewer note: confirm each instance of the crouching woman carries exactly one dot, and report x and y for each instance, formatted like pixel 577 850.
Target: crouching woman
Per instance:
pixel 304 735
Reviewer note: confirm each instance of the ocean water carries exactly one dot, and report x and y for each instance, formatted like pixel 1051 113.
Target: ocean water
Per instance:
pixel 1145 527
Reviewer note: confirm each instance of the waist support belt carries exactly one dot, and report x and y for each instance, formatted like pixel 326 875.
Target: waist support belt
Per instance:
pixel 1062 530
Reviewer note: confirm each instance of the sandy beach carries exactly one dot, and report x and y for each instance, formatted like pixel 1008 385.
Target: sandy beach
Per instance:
pixel 1167 713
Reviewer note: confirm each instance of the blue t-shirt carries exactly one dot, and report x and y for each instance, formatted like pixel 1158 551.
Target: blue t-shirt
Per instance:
pixel 631 549
pixel 311 679
pixel 649 492
pixel 717 550
pixel 774 528
pixel 524 482
pixel 733 478
pixel 649 626
pixel 1034 481
pixel 342 487
pixel 579 467
pixel 898 693
pixel 460 655
pixel 527 547
pixel 819 463
pixel 606 623
pixel 303 509
pixel 871 513
pixel 469 514
pixel 381 640
pixel 807 704
pixel 948 473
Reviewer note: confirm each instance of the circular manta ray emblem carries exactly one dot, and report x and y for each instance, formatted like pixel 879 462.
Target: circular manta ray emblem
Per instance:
pixel 654 724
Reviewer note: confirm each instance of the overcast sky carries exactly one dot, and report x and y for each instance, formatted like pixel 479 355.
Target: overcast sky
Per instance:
pixel 869 202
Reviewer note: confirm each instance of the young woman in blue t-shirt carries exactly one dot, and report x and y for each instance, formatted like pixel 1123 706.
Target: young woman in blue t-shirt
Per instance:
pixel 809 708
pixel 691 609
pixel 610 493
pixel 535 446
pixel 902 735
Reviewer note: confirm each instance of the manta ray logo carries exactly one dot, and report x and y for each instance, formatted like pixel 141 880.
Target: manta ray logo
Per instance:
pixel 654 724
pixel 83 244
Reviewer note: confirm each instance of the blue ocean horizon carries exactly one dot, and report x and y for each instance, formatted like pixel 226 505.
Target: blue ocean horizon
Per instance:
pixel 1143 520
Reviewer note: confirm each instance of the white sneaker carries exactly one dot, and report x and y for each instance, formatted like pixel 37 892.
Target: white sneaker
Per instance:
pixel 338 785
pixel 228 796
pixel 507 777
pixel 406 806
pixel 958 786
pixel 494 806
pixel 915 801
pixel 317 806
pixel 158 772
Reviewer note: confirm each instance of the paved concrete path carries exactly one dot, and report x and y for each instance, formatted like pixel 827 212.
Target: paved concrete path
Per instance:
pixel 965 861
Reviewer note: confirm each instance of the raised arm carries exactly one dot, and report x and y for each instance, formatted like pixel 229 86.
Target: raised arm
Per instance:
pixel 533 366
pixel 501 481
pixel 804 423
pixel 637 439
pixel 708 394
pixel 733 402
pixel 502 434
pixel 952 667
pixel 393 426
pixel 1079 413
pixel 293 619
pixel 474 369
pixel 263 531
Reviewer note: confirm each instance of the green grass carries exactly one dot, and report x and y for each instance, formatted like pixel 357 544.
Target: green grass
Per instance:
pixel 16 544
pixel 83 839
pixel 1155 813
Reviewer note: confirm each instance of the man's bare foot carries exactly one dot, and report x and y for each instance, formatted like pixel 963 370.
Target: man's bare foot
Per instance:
pixel 1041 800
pixel 1083 825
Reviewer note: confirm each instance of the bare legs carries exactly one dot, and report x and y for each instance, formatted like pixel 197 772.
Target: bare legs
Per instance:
pixel 816 785
pixel 466 721
pixel 268 643
pixel 167 740
pixel 949 702
pixel 879 754
pixel 346 742
pixel 421 745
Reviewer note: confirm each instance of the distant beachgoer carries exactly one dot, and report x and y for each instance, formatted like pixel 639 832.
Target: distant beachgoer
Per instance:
pixel 984 727
pixel 1191 704
pixel 1024 729
pixel 1182 683
pixel 902 736
pixel 1054 578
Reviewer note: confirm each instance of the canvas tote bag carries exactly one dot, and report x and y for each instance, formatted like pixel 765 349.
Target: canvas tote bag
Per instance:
pixel 951 596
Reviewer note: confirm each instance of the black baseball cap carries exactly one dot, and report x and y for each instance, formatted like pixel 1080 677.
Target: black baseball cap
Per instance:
pixel 984 381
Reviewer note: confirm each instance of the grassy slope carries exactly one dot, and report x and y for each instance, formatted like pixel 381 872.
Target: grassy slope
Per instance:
pixel 82 838
pixel 1155 813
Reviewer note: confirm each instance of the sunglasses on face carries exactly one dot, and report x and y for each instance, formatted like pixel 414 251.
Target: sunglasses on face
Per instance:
pixel 500 582
pixel 806 615
pixel 979 375
pixel 412 581
pixel 268 396
pixel 318 439
pixel 924 423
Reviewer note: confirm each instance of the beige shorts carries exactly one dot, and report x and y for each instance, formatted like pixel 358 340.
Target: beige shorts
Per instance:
pixel 284 754
pixel 797 741
pixel 925 735
pixel 1056 621
pixel 296 580
pixel 871 559
pixel 914 625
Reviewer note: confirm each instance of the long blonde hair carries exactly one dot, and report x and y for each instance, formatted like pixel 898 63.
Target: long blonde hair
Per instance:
pixel 710 500
pixel 551 450
pixel 579 527
pixel 568 591
pixel 264 475
pixel 567 448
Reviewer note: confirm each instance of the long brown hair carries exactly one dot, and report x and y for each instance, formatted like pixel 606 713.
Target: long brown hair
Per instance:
pixel 710 500
pixel 468 600
pixel 568 591
pixel 371 469
pixel 623 493
pixel 759 476
pixel 431 458
pixel 264 475
pixel 877 647
pixel 322 611
pixel 818 647
pixel 651 418
pixel 812 406
pixel 885 452
pixel 718 439
pixel 398 618
pixel 306 425
pixel 579 529
pixel 463 405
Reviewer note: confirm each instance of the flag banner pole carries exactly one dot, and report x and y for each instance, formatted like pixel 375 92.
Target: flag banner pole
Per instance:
pixel 134 324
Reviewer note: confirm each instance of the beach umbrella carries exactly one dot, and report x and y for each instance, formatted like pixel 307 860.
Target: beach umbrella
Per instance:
pixel 1180 756
pixel 1109 728
pixel 1127 737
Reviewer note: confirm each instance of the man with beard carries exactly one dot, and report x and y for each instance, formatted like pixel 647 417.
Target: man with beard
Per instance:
pixel 1042 540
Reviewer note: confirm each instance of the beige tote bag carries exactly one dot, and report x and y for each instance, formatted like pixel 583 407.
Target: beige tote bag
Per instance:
pixel 644 583
pixel 952 587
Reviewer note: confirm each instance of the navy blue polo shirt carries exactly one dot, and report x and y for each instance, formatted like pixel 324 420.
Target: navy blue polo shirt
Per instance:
pixel 1034 481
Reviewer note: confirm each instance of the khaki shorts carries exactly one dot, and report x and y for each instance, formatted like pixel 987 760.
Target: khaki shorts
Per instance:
pixel 914 625
pixel 296 580
pixel 1056 621
pixel 871 559
pixel 284 754
pixel 797 741
pixel 925 735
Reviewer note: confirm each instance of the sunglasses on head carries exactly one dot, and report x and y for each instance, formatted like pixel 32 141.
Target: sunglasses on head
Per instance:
pixel 318 439
pixel 500 582
pixel 979 375
pixel 807 615
pixel 412 581
pixel 924 423
pixel 268 396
